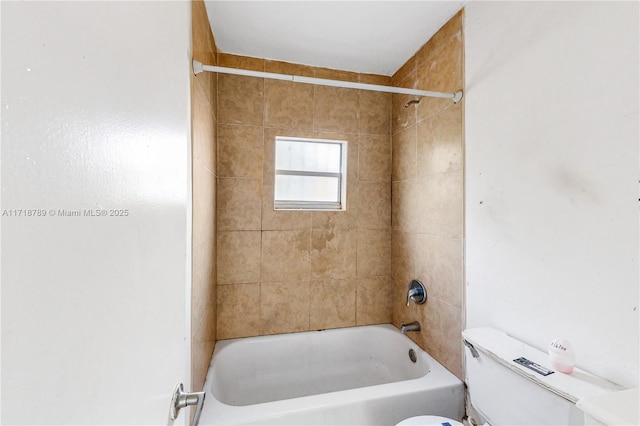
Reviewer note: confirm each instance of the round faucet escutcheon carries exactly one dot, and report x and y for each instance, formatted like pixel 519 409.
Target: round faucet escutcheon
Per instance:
pixel 416 292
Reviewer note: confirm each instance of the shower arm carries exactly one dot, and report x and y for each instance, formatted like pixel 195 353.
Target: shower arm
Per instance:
pixel 199 67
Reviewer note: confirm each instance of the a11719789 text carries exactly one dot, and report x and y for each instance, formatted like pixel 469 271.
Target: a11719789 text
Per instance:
pixel 65 213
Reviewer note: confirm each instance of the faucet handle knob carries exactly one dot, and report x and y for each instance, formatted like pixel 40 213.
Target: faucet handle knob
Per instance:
pixel 411 294
pixel 416 292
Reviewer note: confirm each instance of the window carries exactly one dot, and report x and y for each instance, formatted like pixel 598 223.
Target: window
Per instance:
pixel 310 174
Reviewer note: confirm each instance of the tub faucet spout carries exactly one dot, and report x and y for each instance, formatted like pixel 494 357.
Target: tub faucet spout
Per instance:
pixel 412 326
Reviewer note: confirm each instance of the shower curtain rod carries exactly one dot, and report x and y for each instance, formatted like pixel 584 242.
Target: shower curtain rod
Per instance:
pixel 198 67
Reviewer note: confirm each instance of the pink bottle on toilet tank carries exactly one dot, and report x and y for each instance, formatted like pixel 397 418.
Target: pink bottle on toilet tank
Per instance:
pixel 562 356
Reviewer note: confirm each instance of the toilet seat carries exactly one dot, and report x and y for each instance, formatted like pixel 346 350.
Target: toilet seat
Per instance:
pixel 429 421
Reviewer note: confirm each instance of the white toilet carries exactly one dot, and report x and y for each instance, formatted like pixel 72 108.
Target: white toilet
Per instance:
pixel 511 383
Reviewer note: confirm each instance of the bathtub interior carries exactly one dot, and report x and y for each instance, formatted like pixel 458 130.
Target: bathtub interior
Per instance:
pixel 312 363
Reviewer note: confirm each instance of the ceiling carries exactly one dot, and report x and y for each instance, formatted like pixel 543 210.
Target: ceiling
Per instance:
pixel 363 36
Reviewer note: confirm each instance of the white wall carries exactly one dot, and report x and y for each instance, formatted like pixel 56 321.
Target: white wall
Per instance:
pixel 95 115
pixel 552 177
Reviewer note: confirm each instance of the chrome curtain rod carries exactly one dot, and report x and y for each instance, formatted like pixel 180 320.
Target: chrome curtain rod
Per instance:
pixel 198 67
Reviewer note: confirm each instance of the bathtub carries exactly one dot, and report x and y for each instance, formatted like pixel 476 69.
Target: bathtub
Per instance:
pixel 350 376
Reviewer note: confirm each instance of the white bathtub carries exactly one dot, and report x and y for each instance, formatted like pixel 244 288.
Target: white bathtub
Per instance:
pixel 349 376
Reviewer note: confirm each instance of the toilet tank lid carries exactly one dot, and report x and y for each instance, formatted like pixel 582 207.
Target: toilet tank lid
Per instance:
pixel 504 349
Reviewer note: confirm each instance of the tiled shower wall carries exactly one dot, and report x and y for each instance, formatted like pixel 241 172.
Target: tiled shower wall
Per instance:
pixel 203 129
pixel 427 205
pixel 286 271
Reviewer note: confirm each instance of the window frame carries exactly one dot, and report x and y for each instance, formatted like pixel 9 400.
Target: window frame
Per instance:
pixel 339 205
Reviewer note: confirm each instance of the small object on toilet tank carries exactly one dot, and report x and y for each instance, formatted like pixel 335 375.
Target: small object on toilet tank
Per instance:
pixel 562 356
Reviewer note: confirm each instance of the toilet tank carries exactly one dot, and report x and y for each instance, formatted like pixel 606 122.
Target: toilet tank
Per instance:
pixel 503 391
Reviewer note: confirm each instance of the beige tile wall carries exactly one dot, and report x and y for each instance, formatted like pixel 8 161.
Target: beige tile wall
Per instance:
pixel 427 196
pixel 203 133
pixel 284 271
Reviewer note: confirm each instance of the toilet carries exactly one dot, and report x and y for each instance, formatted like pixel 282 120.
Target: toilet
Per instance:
pixel 511 383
